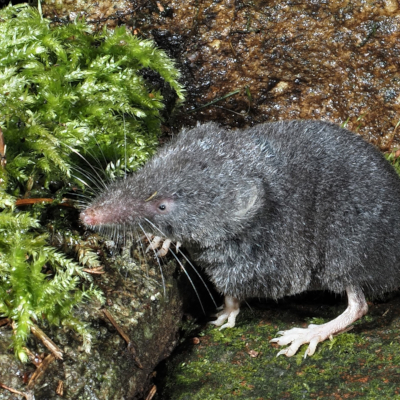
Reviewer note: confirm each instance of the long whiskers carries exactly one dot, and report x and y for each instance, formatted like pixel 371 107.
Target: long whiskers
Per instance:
pixel 199 275
pixel 99 178
pixel 180 264
pixel 94 180
pixel 157 258
pixel 190 279
pixel 193 267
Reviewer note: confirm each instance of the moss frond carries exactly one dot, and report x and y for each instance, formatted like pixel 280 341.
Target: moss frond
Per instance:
pixel 37 281
pixel 54 78
pixel 65 92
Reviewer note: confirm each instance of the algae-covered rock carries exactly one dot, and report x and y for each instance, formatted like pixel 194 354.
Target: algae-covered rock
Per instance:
pixel 240 363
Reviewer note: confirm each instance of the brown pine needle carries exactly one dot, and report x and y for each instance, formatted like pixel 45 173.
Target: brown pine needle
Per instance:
pixel 28 396
pixel 152 392
pixel 40 370
pixel 55 350
pixel 28 202
pixel 95 270
pixel 131 346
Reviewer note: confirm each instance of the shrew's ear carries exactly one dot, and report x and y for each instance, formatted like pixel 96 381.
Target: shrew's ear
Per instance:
pixel 249 200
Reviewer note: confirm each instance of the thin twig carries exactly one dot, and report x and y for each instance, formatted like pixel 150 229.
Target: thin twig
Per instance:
pixel 60 388
pixel 124 336
pixel 28 202
pixel 28 396
pixel 152 392
pixel 34 359
pixel 95 270
pixel 40 370
pixel 116 326
pixel 55 350
pixel 215 101
pixel 3 147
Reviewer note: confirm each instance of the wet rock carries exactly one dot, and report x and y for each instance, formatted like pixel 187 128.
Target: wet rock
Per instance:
pixel 329 60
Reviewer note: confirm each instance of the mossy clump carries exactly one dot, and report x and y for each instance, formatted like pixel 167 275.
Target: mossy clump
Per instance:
pixel 393 158
pixel 66 91
pixel 68 99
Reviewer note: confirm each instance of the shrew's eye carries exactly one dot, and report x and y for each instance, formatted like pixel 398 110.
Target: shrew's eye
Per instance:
pixel 163 206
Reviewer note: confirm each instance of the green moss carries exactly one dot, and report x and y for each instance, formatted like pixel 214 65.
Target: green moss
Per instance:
pixel 393 158
pixel 362 363
pixel 66 91
pixel 37 282
pixel 69 100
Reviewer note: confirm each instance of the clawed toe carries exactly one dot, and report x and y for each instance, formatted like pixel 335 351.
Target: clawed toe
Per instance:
pixel 296 337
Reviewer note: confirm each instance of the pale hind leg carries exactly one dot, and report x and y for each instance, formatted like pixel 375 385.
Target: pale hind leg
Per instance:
pixel 314 334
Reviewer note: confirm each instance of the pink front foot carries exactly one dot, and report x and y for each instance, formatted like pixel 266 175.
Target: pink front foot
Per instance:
pixel 314 334
pixel 156 242
pixel 229 312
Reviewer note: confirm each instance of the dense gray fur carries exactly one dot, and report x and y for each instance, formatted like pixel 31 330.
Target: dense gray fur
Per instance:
pixel 272 210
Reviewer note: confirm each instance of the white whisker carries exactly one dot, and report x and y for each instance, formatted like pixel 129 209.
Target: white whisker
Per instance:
pixel 193 267
pixel 158 261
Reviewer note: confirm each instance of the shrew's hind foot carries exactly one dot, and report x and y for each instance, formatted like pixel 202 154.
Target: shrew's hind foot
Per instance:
pixel 314 334
pixel 229 312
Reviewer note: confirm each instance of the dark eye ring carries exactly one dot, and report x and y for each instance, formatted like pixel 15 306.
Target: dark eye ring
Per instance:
pixel 162 207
